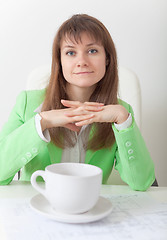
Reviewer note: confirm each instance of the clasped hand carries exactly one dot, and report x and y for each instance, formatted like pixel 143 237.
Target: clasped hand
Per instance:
pixel 78 114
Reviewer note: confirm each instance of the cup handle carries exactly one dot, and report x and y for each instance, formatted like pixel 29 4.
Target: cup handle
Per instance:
pixel 34 183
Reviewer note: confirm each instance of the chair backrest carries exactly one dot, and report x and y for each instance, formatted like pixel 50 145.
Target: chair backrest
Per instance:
pixel 129 91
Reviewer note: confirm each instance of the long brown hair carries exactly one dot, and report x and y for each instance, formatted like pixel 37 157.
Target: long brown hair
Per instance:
pixel 105 91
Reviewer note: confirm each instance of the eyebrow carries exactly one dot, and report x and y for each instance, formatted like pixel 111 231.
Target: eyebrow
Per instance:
pixel 87 45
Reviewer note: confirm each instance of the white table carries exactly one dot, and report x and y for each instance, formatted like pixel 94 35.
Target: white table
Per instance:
pixel 135 215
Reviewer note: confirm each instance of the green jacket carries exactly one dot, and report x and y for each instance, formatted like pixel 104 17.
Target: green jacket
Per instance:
pixel 22 148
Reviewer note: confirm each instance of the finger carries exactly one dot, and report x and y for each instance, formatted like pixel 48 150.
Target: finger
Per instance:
pixel 96 108
pixel 69 103
pixel 83 111
pixel 85 122
pixel 78 112
pixel 72 127
pixel 93 104
pixel 66 110
pixel 81 118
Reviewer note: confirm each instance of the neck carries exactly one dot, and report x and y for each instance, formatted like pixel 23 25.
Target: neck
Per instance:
pixel 79 94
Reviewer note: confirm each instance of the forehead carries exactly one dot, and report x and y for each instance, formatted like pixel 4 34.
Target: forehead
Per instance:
pixel 83 38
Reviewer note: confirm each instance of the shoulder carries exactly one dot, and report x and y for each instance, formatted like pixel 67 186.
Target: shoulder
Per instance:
pixel 36 94
pixel 29 100
pixel 32 96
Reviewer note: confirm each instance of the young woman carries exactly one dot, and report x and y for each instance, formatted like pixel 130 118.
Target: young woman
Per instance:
pixel 78 117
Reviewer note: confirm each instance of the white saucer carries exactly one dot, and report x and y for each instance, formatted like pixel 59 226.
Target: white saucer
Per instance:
pixel 101 210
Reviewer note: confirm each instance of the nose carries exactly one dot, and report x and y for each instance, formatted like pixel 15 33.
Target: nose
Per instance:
pixel 82 61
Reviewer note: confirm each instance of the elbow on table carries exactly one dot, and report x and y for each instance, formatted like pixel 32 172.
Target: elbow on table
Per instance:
pixel 143 185
pixel 4 180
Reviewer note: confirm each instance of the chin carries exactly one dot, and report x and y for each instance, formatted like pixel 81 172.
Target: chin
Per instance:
pixel 86 85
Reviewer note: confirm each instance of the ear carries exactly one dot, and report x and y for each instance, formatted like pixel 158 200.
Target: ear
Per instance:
pixel 107 61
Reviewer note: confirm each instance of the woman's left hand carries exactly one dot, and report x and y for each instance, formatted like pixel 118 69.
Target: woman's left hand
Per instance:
pixel 109 113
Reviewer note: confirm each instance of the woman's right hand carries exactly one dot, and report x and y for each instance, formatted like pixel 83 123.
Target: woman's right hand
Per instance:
pixel 57 118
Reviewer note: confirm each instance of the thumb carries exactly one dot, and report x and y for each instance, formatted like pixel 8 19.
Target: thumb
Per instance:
pixel 72 127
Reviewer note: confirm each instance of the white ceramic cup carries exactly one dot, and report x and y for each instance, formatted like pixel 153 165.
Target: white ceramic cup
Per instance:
pixel 70 188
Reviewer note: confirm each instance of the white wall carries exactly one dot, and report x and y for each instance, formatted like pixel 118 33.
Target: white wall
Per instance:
pixel 139 30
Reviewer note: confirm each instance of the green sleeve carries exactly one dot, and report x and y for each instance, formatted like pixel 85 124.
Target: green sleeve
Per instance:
pixel 133 160
pixel 19 141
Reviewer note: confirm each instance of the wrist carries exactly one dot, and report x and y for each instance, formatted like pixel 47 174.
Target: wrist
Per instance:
pixel 44 124
pixel 44 135
pixel 122 116
pixel 122 119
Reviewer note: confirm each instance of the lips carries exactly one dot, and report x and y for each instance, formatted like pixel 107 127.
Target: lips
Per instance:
pixel 86 72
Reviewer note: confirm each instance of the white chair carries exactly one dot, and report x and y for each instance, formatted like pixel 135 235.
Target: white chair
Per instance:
pixel 129 91
pixel 38 78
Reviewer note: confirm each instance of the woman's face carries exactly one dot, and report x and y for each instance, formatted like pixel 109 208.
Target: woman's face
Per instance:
pixel 83 63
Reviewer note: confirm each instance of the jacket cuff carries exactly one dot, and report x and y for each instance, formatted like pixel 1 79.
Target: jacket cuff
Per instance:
pixel 45 136
pixel 125 124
